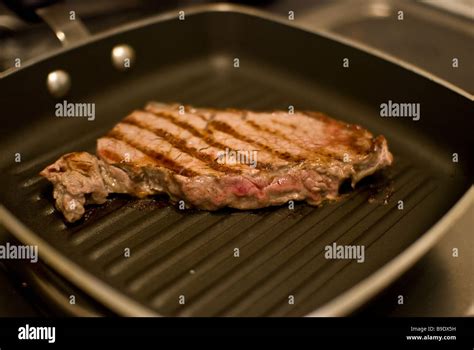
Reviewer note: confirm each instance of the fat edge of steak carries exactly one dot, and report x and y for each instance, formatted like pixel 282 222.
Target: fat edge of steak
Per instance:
pixel 80 178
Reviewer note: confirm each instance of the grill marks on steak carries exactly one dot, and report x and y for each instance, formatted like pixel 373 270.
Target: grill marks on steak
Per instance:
pixel 303 156
pixel 199 126
pixel 181 139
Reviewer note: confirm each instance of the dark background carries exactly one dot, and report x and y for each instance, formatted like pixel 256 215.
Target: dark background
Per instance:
pixel 430 37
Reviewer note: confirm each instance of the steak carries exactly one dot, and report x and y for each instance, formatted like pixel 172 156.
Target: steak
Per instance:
pixel 212 159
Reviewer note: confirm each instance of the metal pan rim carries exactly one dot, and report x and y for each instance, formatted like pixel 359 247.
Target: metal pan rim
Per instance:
pixel 224 7
pixel 340 305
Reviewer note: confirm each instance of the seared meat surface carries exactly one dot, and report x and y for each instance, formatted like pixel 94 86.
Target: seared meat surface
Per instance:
pixel 218 158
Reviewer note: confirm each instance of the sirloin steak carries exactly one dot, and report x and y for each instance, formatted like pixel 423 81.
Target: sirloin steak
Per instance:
pixel 218 158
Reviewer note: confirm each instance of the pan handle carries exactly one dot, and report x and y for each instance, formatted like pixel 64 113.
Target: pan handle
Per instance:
pixel 26 9
pixel 62 20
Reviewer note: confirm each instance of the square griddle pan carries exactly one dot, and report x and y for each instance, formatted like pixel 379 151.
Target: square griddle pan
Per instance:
pixel 182 262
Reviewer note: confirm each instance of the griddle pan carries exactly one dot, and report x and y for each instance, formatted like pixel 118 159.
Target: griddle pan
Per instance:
pixel 189 255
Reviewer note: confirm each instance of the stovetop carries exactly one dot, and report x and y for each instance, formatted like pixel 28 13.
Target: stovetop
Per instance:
pixel 429 36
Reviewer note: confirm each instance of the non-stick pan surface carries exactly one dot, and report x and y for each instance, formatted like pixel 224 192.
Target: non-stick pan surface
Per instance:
pixel 185 262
